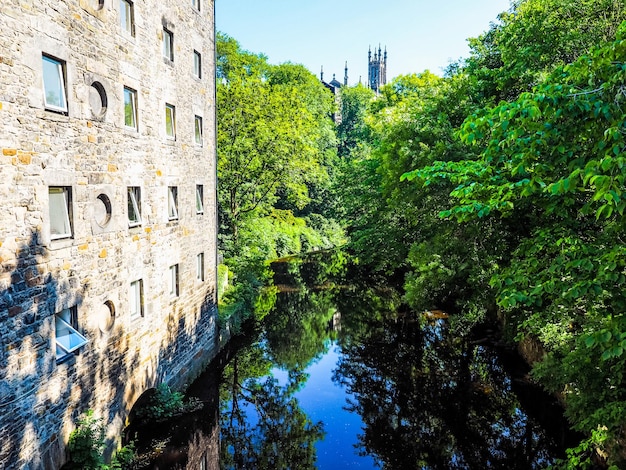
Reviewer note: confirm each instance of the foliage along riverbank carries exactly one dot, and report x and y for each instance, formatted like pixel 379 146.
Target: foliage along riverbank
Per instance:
pixel 497 189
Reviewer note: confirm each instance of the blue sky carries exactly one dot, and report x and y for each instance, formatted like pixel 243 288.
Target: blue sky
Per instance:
pixel 418 34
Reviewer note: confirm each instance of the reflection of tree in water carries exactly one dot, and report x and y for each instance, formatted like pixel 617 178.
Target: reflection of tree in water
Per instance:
pixel 262 423
pixel 428 400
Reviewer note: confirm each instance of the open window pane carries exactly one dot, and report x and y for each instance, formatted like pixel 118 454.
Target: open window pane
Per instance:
pixel 172 202
pixel 199 199
pixel 170 121
pixel 54 84
pixel 134 206
pixel 196 4
pixel 59 201
pixel 67 339
pixel 198 130
pixel 127 19
pixel 130 108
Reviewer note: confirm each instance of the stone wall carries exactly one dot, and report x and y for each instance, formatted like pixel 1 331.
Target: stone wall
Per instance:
pixel 90 152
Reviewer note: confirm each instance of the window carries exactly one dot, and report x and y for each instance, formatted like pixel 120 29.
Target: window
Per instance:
pixel 174 280
pixel 60 199
pixel 198 130
pixel 197 64
pixel 134 206
pixel 196 4
pixel 127 17
pixel 130 108
pixel 54 84
pixel 136 299
pixel 170 121
pixel 200 267
pixel 172 202
pixel 168 44
pixel 199 199
pixel 66 338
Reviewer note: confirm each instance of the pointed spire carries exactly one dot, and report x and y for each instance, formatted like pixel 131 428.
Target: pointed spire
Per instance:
pixel 345 76
pixel 322 74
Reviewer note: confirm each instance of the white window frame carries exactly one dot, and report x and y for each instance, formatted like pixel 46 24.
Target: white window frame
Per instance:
pixel 134 200
pixel 127 11
pixel 198 131
pixel 168 44
pixel 195 4
pixel 174 280
pixel 133 104
pixel 170 111
pixel 197 64
pixel 199 199
pixel 172 202
pixel 200 267
pixel 63 211
pixel 71 340
pixel 58 85
pixel 135 299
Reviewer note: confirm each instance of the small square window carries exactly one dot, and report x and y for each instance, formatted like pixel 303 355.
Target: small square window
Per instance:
pixel 200 267
pixel 136 299
pixel 66 337
pixel 60 207
pixel 54 84
pixel 197 64
pixel 130 108
pixel 134 206
pixel 168 44
pixel 172 202
pixel 198 130
pixel 174 280
pixel 199 199
pixel 127 17
pixel 196 4
pixel 170 121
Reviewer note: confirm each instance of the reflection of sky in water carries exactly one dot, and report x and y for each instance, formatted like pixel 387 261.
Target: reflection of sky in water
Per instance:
pixel 323 400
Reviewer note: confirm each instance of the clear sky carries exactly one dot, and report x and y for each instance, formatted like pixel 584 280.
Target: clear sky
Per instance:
pixel 418 34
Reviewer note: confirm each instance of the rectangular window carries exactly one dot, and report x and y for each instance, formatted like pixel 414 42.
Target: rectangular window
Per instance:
pixel 200 267
pixel 130 108
pixel 170 121
pixel 198 130
pixel 54 84
pixel 199 199
pixel 196 4
pixel 172 202
pixel 168 44
pixel 136 299
pixel 66 337
pixel 127 17
pixel 174 280
pixel 197 64
pixel 60 201
pixel 134 206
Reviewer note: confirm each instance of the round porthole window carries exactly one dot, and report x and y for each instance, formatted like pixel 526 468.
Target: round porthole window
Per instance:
pixel 106 316
pixel 98 100
pixel 97 4
pixel 102 210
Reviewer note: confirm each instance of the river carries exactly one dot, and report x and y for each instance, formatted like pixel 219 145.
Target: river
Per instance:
pixel 342 375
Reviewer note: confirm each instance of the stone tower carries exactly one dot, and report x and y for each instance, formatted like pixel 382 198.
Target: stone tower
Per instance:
pixel 377 69
pixel 108 213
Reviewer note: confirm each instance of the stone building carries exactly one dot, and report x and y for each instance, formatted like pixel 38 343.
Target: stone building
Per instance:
pixel 107 212
pixel 376 69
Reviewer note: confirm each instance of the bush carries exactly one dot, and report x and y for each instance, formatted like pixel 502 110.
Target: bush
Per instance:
pixel 165 404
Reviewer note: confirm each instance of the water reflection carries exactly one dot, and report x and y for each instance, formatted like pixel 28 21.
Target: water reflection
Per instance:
pixel 411 394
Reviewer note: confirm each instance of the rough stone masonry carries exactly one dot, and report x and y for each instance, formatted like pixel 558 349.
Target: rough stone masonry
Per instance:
pixel 107 212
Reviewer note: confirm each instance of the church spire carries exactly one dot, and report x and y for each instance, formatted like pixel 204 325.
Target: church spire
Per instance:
pixel 322 74
pixel 345 76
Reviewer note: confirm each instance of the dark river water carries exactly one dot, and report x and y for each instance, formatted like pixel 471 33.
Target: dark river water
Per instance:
pixel 342 375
